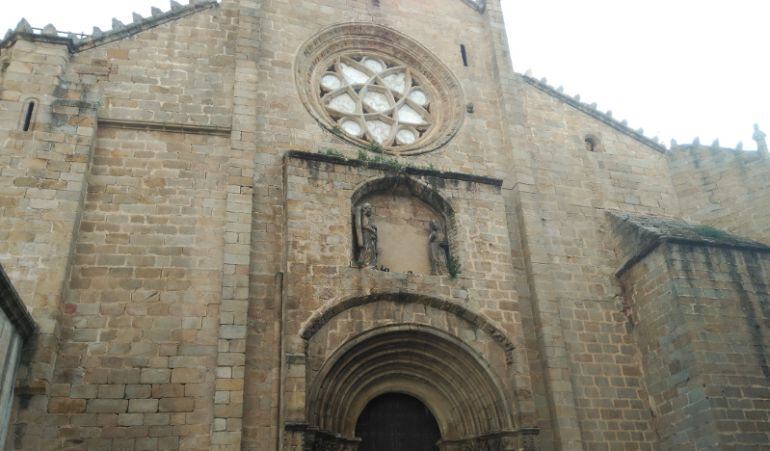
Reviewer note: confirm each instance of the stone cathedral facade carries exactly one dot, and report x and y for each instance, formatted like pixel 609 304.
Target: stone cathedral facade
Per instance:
pixel 349 224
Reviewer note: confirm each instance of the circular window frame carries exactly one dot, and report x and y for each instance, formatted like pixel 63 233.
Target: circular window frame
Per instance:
pixel 365 39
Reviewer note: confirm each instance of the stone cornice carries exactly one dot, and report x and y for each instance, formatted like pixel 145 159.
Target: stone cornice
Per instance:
pixel 596 114
pixel 390 168
pixel 647 250
pixel 168 127
pixel 644 233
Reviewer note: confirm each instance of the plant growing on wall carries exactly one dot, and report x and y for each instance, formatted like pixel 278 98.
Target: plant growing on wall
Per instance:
pixel 453 266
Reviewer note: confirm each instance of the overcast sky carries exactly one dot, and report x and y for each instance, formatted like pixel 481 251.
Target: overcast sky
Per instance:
pixel 677 68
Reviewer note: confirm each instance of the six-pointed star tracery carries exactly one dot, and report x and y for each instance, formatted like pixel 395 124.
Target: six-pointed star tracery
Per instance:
pixel 375 101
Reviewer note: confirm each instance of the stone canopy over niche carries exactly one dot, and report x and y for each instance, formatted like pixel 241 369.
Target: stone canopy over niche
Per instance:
pixel 379 89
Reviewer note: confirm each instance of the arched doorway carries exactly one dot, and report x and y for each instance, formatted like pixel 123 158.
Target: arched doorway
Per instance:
pixel 397 422
pixel 452 380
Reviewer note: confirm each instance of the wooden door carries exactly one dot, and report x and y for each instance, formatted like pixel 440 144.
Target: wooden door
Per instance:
pixel 397 422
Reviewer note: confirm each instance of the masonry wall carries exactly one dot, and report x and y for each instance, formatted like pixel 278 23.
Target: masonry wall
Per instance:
pixel 560 191
pixel 485 145
pixel 476 149
pixel 140 325
pixel 121 236
pixel 284 124
pixel 701 322
pixel 320 279
pixel 178 73
pixel 42 182
pixel 725 188
pixel 173 256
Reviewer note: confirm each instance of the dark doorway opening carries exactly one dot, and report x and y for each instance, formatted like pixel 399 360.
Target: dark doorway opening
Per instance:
pixel 397 422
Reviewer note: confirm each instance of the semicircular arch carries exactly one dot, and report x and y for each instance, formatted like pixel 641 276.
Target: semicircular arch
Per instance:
pixel 448 376
pixel 322 317
pixel 415 187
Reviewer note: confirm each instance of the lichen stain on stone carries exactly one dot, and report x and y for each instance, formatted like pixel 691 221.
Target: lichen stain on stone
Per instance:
pixel 436 182
pixel 751 316
pixel 666 249
pixel 707 260
pixel 315 168
pixel 685 257
pixel 758 280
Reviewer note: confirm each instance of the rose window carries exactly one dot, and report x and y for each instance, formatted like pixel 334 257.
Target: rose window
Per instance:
pixel 378 89
pixel 377 101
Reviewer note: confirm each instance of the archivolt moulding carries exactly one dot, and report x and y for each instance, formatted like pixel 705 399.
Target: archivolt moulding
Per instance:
pixel 449 377
pixel 418 189
pixel 319 319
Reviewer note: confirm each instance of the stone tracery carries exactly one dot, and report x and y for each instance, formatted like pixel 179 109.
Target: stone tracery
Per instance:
pixel 379 89
pixel 376 100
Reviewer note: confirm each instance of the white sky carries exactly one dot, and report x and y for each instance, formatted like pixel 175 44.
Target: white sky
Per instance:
pixel 677 68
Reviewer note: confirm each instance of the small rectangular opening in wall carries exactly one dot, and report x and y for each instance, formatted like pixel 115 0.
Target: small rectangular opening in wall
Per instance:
pixel 28 116
pixel 464 54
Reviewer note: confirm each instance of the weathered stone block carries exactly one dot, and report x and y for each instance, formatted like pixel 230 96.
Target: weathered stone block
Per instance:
pixel 66 405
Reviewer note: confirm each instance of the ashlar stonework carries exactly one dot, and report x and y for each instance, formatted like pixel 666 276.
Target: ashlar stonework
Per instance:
pixel 238 225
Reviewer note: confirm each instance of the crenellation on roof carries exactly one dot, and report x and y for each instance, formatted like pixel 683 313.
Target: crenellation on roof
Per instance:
pixel 593 111
pixel 117 25
pixel 759 138
pixel 715 146
pixel 77 42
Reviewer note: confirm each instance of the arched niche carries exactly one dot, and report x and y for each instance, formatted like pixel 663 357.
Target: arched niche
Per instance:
pixel 402 225
pixel 445 374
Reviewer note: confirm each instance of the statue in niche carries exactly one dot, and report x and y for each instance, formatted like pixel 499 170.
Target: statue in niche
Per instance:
pixel 438 249
pixel 366 236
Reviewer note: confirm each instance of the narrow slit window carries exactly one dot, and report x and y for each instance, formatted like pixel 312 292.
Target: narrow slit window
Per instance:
pixel 464 54
pixel 28 115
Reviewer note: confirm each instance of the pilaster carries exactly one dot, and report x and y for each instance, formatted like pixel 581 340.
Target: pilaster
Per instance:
pixel 524 226
pixel 227 432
